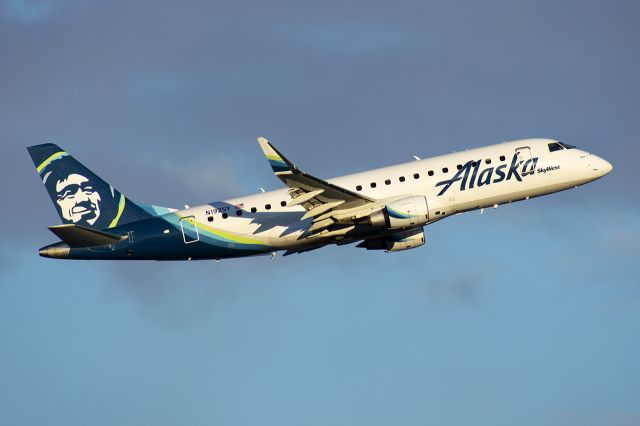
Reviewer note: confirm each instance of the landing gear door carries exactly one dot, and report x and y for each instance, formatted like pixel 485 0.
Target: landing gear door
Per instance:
pixel 524 154
pixel 189 229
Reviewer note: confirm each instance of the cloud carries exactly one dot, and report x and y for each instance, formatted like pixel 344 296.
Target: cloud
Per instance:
pixel 180 294
pixel 6 262
pixel 159 83
pixel 28 11
pixel 603 418
pixel 349 37
pixel 464 289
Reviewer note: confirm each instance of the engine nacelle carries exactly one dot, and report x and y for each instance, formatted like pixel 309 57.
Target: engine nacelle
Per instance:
pixel 404 240
pixel 403 213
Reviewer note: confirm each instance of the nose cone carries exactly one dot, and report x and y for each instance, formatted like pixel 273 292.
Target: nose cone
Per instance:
pixel 603 166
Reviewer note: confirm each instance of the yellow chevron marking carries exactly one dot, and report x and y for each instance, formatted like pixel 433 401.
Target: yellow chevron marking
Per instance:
pixel 48 160
pixel 115 220
pixel 236 238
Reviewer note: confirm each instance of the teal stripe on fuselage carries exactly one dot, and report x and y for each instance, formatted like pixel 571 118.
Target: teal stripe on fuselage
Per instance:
pixel 148 240
pixel 234 240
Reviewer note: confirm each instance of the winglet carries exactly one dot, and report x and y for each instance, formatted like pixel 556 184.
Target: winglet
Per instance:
pixel 278 162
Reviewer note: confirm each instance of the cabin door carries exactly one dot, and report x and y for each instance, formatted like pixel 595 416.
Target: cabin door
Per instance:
pixel 189 229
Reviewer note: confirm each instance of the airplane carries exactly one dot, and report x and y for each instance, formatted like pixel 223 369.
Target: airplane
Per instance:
pixel 382 209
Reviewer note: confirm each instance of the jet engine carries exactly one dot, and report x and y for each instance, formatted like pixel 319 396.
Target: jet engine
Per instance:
pixel 404 240
pixel 402 213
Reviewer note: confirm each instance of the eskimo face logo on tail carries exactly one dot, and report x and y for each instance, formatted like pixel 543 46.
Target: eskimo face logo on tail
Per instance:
pixel 470 175
pixel 78 200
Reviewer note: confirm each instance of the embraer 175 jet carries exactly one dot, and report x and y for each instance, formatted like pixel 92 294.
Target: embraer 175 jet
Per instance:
pixel 382 209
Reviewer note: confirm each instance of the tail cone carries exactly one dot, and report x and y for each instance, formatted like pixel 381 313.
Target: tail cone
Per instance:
pixel 56 251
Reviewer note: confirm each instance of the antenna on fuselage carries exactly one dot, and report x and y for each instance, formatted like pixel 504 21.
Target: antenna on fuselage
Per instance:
pixel 261 189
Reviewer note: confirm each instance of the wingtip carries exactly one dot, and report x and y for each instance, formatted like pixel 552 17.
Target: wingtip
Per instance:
pixel 278 163
pixel 265 145
pixel 267 148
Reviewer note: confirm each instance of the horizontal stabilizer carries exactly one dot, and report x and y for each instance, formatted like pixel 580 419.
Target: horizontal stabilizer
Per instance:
pixel 78 236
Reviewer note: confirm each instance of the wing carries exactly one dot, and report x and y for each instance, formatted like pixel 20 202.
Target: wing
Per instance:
pixel 330 206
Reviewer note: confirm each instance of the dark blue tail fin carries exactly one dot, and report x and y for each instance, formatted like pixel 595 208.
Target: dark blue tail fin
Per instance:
pixel 79 195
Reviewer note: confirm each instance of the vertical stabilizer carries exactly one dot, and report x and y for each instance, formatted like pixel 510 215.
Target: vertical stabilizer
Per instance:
pixel 79 195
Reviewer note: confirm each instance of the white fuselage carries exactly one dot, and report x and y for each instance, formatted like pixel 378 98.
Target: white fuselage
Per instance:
pixel 498 178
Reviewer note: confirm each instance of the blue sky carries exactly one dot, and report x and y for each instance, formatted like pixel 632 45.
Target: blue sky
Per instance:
pixel 528 314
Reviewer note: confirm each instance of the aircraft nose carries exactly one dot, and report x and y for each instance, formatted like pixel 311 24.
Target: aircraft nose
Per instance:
pixel 603 166
pixel 599 166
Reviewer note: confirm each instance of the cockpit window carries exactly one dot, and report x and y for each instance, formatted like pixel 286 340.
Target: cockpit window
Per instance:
pixel 555 146
pixel 566 145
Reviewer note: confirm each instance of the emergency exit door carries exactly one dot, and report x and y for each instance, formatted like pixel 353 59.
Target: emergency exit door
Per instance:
pixel 189 229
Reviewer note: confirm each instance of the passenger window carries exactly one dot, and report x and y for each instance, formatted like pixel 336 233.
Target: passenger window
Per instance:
pixel 210 218
pixel 387 182
pixel 416 176
pixel 238 212
pixel 267 206
pixel 502 158
pixel 459 166
pixel 283 203
pixel 373 184
pixel 445 170
pixel 473 163
pixel 430 173
pixel 488 161
pixel 253 210
pixel 359 188
pixel 224 215
pixel 401 178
